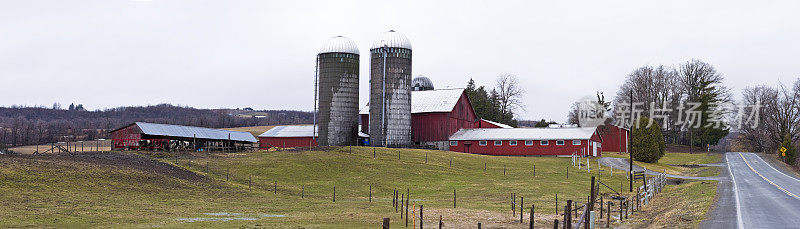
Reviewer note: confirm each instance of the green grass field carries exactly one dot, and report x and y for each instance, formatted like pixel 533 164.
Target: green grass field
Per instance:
pixel 134 191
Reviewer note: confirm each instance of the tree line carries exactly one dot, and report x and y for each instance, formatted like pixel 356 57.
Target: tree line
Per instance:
pixel 499 103
pixel 38 125
pixel 778 120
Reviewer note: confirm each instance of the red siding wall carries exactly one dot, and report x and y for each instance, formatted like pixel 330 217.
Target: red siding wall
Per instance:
pixel 520 148
pixel 484 124
pixel 128 136
pixel 364 123
pixel 429 127
pixel 615 139
pixel 265 142
pixel 128 132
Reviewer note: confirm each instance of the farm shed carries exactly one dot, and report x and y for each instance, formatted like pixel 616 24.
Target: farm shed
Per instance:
pixel 527 141
pixel 153 136
pixel 435 115
pixel 615 138
pixel 292 136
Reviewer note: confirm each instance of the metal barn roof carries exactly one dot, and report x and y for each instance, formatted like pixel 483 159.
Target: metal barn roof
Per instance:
pixel 339 44
pixel 440 100
pixel 498 124
pixel 290 131
pixel 392 39
pixel 298 131
pixel 193 131
pixel 524 134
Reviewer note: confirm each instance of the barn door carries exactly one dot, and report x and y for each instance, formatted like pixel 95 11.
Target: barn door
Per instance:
pixel 595 149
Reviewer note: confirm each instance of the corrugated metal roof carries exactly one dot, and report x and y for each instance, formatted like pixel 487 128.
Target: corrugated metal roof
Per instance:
pixel 392 39
pixel 339 44
pixel 298 131
pixel 523 134
pixel 498 124
pixel 441 100
pixel 290 131
pixel 193 131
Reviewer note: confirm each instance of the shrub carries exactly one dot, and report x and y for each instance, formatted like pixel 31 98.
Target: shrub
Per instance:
pixel 647 143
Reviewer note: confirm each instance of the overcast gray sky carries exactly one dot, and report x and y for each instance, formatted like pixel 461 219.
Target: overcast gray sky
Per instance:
pixel 260 54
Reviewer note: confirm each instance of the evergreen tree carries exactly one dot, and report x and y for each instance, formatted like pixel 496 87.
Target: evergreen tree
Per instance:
pixel 647 142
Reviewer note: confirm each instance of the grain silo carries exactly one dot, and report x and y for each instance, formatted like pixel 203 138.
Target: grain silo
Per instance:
pixel 337 64
pixel 421 83
pixel 390 91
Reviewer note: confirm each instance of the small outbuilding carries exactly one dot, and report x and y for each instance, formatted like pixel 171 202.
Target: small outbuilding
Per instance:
pixel 528 141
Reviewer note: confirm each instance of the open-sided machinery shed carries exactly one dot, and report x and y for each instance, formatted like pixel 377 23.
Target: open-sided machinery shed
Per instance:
pixel 153 136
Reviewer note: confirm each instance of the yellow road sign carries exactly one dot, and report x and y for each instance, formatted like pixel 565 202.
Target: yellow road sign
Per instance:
pixel 783 154
pixel 783 149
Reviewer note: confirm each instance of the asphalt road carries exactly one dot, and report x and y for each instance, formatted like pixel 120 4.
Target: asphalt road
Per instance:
pixel 751 193
pixel 763 197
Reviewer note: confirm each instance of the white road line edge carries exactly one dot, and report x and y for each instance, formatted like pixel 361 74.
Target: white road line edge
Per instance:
pixel 773 168
pixel 739 223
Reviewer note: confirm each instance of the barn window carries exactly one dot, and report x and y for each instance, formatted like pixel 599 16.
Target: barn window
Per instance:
pixel 576 142
pixel 498 142
pixel 543 142
pixel 560 142
pixel 453 143
pixel 512 142
pixel 482 143
pixel 528 142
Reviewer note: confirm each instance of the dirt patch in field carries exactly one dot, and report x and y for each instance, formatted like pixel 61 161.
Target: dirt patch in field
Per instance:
pixel 114 160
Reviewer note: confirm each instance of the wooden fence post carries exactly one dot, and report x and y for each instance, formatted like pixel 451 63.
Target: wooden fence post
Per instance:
pixel 521 206
pixel 601 207
pixel 408 199
pixel 250 183
pixel 556 203
pixel 608 215
pixel 420 216
pixel 303 192
pixel 454 198
pixel 568 214
pixel 479 225
pixel 555 224
pixel 334 193
pixel 370 193
pixel 385 223
pixel 402 200
pixel 275 187
pixel 531 216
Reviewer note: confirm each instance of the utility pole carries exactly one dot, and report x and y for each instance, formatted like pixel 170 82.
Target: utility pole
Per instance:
pixel 630 151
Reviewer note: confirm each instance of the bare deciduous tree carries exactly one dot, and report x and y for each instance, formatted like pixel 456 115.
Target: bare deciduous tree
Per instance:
pixel 509 94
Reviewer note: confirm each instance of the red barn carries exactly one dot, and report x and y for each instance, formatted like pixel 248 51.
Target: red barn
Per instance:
pixel 483 123
pixel 435 115
pixel 288 137
pixel 527 141
pixel 615 139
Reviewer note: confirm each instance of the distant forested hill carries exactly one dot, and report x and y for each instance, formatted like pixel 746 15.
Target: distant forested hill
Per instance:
pixel 36 125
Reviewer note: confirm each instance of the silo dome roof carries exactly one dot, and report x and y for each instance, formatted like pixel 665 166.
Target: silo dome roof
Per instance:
pixel 392 39
pixel 421 83
pixel 339 44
